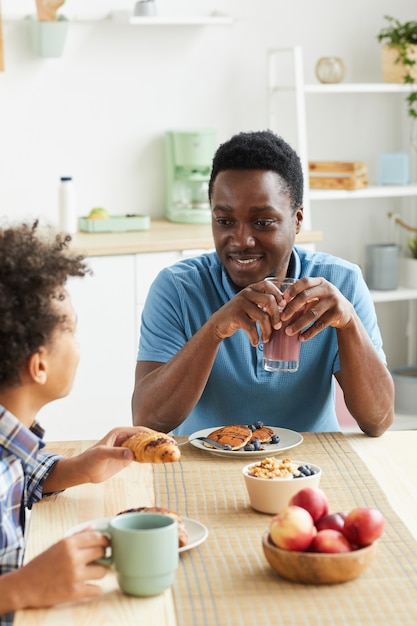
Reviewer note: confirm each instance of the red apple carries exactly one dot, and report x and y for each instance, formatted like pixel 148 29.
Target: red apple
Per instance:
pixel 314 500
pixel 363 526
pixel 292 529
pixel 330 540
pixel 335 521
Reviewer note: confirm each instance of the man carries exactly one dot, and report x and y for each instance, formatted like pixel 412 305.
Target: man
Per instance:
pixel 206 319
pixel 39 357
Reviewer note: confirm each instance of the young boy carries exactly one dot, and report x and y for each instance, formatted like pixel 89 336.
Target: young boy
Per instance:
pixel 39 357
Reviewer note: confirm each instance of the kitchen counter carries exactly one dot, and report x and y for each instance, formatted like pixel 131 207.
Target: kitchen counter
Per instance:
pixel 163 236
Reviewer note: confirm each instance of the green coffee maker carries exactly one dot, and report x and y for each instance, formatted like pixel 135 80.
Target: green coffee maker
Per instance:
pixel 189 156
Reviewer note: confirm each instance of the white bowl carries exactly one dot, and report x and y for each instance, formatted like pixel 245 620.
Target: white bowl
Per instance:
pixel 272 495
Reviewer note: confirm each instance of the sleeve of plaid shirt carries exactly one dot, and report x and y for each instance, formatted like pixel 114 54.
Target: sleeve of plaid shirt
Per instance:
pixel 37 475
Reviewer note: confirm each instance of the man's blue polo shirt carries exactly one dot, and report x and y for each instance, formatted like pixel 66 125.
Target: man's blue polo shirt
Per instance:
pixel 184 296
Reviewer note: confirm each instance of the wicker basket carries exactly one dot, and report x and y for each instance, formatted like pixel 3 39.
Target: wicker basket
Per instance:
pixel 392 71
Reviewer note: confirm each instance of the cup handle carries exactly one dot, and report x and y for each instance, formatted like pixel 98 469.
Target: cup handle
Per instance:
pixel 108 559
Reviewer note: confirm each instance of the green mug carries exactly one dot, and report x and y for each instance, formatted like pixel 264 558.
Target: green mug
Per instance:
pixel 143 551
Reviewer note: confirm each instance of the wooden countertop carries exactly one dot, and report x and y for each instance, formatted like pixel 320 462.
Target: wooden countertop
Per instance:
pixel 163 236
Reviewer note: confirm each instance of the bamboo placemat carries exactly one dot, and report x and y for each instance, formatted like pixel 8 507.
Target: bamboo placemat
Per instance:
pixel 227 580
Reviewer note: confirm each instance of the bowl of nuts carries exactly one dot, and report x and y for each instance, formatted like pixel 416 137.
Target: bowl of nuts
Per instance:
pixel 272 482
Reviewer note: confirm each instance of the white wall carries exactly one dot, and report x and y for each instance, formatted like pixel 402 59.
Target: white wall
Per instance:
pixel 99 113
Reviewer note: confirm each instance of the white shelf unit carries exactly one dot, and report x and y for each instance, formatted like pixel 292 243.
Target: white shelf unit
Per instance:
pixel 126 17
pixel 300 89
pixel 394 295
pixel 211 19
pixel 410 296
pixel 372 191
pixel 358 88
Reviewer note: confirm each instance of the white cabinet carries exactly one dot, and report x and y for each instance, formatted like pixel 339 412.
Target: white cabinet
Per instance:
pixel 109 306
pixel 100 398
pixel 147 266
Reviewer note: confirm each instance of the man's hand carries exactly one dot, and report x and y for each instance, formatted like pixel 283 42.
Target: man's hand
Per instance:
pixel 324 306
pixel 263 303
pixel 255 304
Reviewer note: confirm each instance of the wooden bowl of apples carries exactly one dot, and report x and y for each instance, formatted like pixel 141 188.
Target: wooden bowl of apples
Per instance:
pixel 315 568
pixel 307 544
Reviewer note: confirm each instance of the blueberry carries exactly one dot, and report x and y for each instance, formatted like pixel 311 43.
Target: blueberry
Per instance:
pixel 252 427
pixel 249 447
pixel 256 444
pixel 275 439
pixel 227 446
pixel 259 424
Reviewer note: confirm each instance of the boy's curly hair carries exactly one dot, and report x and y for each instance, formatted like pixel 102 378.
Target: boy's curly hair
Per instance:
pixel 261 150
pixel 32 267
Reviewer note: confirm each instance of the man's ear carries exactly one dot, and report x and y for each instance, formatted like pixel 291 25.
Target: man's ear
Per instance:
pixel 38 366
pixel 299 216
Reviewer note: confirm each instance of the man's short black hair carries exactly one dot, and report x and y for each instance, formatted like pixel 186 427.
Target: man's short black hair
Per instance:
pixel 261 150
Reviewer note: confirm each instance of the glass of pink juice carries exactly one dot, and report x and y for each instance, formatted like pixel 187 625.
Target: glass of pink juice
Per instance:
pixel 282 352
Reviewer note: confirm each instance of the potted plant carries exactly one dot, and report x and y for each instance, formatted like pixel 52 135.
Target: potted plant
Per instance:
pixel 408 262
pixel 399 56
pixel 412 246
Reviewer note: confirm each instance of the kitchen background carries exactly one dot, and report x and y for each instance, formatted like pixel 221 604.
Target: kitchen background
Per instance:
pixel 99 112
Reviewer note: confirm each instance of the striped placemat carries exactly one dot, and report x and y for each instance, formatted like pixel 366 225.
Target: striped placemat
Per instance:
pixel 227 580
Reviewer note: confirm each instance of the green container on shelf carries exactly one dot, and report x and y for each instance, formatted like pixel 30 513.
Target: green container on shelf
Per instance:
pixel 114 224
pixel 48 38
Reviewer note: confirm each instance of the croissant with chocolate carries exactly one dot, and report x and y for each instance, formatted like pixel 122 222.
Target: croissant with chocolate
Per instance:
pixel 153 447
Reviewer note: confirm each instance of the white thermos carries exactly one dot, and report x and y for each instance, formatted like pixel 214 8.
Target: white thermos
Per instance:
pixel 68 221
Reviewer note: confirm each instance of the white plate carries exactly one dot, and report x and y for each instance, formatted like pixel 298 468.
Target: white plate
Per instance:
pixel 197 532
pixel 288 439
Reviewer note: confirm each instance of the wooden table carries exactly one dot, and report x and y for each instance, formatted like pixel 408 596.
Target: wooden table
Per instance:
pixel 389 459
